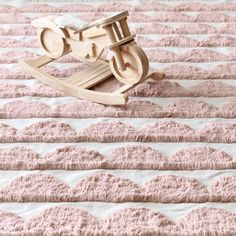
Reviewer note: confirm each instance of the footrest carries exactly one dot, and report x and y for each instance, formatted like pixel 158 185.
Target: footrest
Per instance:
pixel 90 76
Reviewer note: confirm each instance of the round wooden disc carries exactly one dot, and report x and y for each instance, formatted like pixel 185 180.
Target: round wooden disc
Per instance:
pixel 52 43
pixel 136 65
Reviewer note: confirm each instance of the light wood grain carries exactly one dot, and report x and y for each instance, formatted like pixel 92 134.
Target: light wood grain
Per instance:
pixel 128 62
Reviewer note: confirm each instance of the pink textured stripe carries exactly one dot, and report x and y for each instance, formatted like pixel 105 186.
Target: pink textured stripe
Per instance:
pixel 62 220
pixel 210 218
pixel 34 109
pixel 65 220
pixel 37 187
pixel 134 17
pixel 178 24
pixel 14 74
pixel 39 8
pixel 6 42
pixel 167 131
pixel 138 109
pixel 48 131
pixel 146 28
pixel 212 131
pixel 7 8
pixel 21 30
pixel 125 157
pixel 14 90
pixel 20 90
pixel 10 222
pixel 181 17
pixel 192 55
pixel 190 28
pixel 222 189
pixel 217 40
pixel 21 75
pixel 15 56
pixel 92 16
pixel 155 6
pixel 126 221
pixel 19 157
pixel 109 188
pixel 163 88
pixel 183 71
pixel 46 91
pixel 169 188
pixel 13 19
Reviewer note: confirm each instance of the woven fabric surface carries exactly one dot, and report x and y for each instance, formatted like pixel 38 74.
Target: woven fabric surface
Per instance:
pixel 162 164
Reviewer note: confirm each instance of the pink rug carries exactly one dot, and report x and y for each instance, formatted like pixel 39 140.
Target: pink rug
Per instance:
pixel 163 164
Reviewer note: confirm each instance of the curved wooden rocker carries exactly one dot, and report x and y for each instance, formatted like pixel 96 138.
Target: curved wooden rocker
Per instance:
pixel 61 35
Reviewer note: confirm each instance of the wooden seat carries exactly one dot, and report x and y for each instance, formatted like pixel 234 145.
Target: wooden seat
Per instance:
pixel 104 21
pixel 69 22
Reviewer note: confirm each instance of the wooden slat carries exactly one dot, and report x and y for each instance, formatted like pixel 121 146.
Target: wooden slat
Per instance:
pixel 77 76
pixel 117 30
pixel 91 75
pixel 106 21
pixel 121 42
pixel 41 61
pixel 89 63
pixel 96 79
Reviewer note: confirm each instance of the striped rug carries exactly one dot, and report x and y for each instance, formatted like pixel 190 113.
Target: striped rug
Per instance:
pixel 162 164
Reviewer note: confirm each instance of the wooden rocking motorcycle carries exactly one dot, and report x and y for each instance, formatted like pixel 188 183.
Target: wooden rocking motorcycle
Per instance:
pixel 128 63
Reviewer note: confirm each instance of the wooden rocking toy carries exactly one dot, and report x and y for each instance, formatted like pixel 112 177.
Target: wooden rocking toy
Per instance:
pixel 61 35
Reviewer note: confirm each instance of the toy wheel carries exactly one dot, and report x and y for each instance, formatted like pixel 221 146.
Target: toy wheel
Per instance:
pixel 136 65
pixel 52 44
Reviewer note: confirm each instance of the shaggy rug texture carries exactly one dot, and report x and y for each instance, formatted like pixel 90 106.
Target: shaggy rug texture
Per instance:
pixel 162 164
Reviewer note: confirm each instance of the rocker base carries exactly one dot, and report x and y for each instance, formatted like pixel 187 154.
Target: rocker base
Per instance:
pixel 79 83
